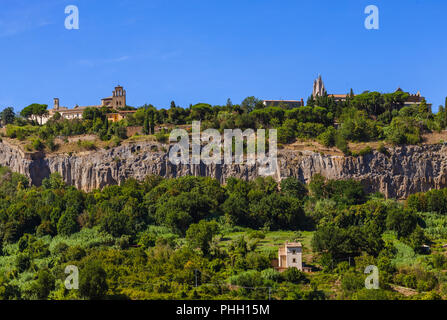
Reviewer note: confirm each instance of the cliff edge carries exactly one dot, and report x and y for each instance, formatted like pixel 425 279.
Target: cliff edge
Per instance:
pixel 401 172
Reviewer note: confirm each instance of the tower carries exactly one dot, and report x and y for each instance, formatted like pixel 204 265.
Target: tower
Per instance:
pixel 319 88
pixel 119 97
pixel 56 104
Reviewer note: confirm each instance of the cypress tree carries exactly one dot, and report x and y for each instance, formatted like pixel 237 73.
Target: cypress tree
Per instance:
pixel 423 108
pixel 445 113
pixel 441 114
pixel 106 124
pixel 146 127
pixel 152 124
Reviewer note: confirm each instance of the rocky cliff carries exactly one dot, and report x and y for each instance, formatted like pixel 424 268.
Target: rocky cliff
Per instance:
pixel 405 170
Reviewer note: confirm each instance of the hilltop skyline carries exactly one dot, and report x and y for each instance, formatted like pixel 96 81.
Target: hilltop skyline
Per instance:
pixel 208 52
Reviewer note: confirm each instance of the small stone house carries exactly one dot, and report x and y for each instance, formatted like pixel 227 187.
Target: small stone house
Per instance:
pixel 290 256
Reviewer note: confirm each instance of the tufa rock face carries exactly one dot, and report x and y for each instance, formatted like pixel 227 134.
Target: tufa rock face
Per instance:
pixel 404 171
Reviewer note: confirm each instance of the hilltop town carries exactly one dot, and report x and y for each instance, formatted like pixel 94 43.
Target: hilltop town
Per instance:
pixel 361 182
pixel 331 123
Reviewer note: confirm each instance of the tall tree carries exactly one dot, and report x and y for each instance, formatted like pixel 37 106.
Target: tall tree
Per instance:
pixel 251 103
pixel 35 112
pixel 445 112
pixel 423 108
pixel 146 125
pixel 93 281
pixel 229 104
pixel 200 235
pixel 7 116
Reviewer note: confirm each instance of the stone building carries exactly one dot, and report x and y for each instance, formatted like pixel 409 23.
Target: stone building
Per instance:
pixel 290 256
pixel 414 99
pixel 115 102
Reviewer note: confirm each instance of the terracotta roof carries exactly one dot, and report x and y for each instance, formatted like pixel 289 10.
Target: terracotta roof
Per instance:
pixel 293 244
pixel 338 95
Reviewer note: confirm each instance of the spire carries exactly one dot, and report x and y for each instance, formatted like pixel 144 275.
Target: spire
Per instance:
pixel 318 89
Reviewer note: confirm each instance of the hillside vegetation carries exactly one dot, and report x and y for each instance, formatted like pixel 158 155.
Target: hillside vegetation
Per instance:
pixel 192 238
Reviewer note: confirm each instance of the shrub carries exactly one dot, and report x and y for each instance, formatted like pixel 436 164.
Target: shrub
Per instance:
pixel 294 275
pixel 256 235
pixel 271 275
pixel 67 224
pixel 51 145
pixel 161 137
pixel 200 235
pixel 116 224
pixel 38 144
pixel 342 144
pixel 44 284
pixel 251 278
pixel 92 282
pixel 23 262
pixel 149 237
pixel 60 248
pixel 352 282
pixel 382 149
pixel 87 145
pixel 75 253
pixel 365 151
pixel 123 242
pixel 115 142
pixel 327 138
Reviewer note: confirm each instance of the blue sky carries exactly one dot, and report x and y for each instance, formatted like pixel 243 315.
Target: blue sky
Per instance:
pixel 208 51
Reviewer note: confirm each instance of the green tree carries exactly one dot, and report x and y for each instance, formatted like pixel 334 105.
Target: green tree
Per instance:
pixel 338 243
pixel 200 235
pixel 445 112
pixel 23 262
pixel 423 108
pixel 116 223
pixel 251 103
pixel 7 116
pixel 55 182
pixel 35 111
pixel 402 221
pixel 146 125
pixel 44 284
pixel 294 188
pixel 327 138
pixel 8 291
pixel 316 186
pixel 67 224
pixel 93 281
pixel 294 275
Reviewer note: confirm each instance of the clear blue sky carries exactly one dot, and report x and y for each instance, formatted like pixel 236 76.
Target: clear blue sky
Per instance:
pixel 208 50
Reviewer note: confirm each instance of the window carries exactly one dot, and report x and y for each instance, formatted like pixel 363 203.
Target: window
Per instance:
pixel 293 251
pixel 294 260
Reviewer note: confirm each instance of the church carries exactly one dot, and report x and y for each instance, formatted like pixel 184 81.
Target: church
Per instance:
pixel 319 89
pixel 116 102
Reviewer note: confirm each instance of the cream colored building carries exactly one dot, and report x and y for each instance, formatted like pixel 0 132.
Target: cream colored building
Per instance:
pixel 291 256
